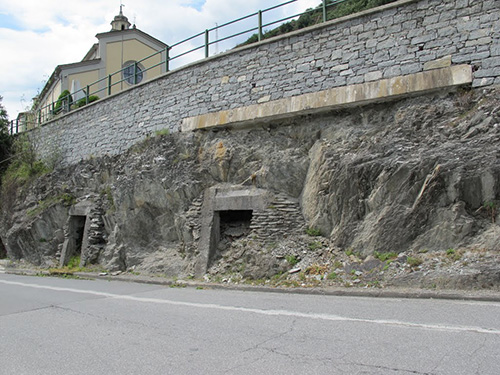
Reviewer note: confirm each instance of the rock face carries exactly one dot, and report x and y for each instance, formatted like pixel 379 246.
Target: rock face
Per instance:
pixel 420 174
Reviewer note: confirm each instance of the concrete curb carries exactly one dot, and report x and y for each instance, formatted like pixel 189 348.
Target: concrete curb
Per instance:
pixel 388 292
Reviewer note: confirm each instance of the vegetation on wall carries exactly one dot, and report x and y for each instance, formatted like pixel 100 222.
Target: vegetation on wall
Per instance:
pixel 64 101
pixel 82 102
pixel 24 167
pixel 5 139
pixel 335 9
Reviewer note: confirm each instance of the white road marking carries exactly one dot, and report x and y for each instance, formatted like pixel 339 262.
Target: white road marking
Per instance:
pixel 294 314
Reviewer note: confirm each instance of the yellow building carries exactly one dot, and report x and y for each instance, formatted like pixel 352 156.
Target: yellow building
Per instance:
pixel 118 61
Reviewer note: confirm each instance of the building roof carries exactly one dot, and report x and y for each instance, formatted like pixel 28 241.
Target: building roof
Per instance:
pixel 92 52
pixel 129 32
pixel 91 58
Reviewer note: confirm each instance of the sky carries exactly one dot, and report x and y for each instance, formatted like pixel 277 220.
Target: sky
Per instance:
pixel 36 36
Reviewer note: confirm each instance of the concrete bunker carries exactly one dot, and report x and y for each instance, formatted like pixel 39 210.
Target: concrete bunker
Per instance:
pixel 227 213
pixel 76 233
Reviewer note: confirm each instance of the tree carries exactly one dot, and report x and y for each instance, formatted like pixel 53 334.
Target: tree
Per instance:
pixel 5 138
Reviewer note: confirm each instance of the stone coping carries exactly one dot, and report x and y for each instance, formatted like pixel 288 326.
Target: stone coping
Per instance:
pixel 338 97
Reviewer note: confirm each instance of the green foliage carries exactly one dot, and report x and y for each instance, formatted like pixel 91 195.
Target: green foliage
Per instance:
pixel 5 139
pixel 332 276
pixel 24 167
pixel 453 254
pixel 292 260
pixel 315 245
pixel 414 262
pixel 83 102
pixel 162 132
pixel 63 101
pixel 385 256
pixel 337 264
pixel 25 164
pixel 66 199
pixel 314 16
pixel 74 262
pixel 313 232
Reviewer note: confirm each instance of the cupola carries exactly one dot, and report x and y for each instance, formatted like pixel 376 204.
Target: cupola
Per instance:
pixel 120 22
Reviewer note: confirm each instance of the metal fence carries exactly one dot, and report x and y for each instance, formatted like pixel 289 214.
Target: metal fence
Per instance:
pixel 168 57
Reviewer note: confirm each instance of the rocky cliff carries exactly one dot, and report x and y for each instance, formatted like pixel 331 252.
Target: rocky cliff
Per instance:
pixel 383 184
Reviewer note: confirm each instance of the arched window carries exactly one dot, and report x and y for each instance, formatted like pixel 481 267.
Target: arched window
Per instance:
pixel 129 75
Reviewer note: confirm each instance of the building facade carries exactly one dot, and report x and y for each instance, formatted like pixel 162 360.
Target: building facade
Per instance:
pixel 121 58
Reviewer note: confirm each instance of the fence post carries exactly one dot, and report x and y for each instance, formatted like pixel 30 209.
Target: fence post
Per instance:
pixel 207 41
pixel 260 26
pixel 17 126
pixel 67 103
pixel 109 84
pixel 87 95
pixel 135 73
pixel 324 11
pixel 167 58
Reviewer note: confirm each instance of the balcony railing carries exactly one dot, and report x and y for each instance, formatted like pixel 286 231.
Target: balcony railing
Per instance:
pixel 175 56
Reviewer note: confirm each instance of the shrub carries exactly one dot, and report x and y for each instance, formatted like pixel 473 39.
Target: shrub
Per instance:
pixel 82 102
pixel 63 101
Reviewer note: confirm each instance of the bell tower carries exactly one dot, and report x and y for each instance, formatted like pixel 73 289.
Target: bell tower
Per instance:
pixel 120 22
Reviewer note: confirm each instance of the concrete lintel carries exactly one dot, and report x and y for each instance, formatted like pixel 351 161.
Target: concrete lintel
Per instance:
pixel 81 208
pixel 352 95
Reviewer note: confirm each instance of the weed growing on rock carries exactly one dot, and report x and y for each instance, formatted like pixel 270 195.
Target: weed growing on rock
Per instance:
pixel 316 269
pixel 315 245
pixel 292 260
pixel 313 232
pixel 162 132
pixel 332 276
pixel 414 261
pixel 385 256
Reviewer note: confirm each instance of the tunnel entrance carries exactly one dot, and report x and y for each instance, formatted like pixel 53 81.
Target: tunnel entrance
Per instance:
pixel 76 231
pixel 3 250
pixel 76 241
pixel 229 226
pixel 235 224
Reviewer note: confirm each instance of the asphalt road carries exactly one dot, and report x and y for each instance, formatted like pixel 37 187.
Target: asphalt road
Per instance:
pixel 62 326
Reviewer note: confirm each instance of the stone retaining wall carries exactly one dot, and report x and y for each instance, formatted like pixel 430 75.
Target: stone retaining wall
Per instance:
pixel 398 39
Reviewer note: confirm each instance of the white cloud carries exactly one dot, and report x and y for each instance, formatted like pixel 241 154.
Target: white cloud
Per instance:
pixel 53 32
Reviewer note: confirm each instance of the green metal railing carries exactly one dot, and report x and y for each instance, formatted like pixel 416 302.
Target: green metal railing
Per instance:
pixel 107 84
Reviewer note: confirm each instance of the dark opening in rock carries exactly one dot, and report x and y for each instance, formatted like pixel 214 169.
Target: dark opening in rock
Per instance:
pixel 76 242
pixel 228 226
pixel 3 250
pixel 77 227
pixel 235 224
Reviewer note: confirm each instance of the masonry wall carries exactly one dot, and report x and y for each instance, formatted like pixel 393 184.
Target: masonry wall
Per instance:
pixel 401 38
